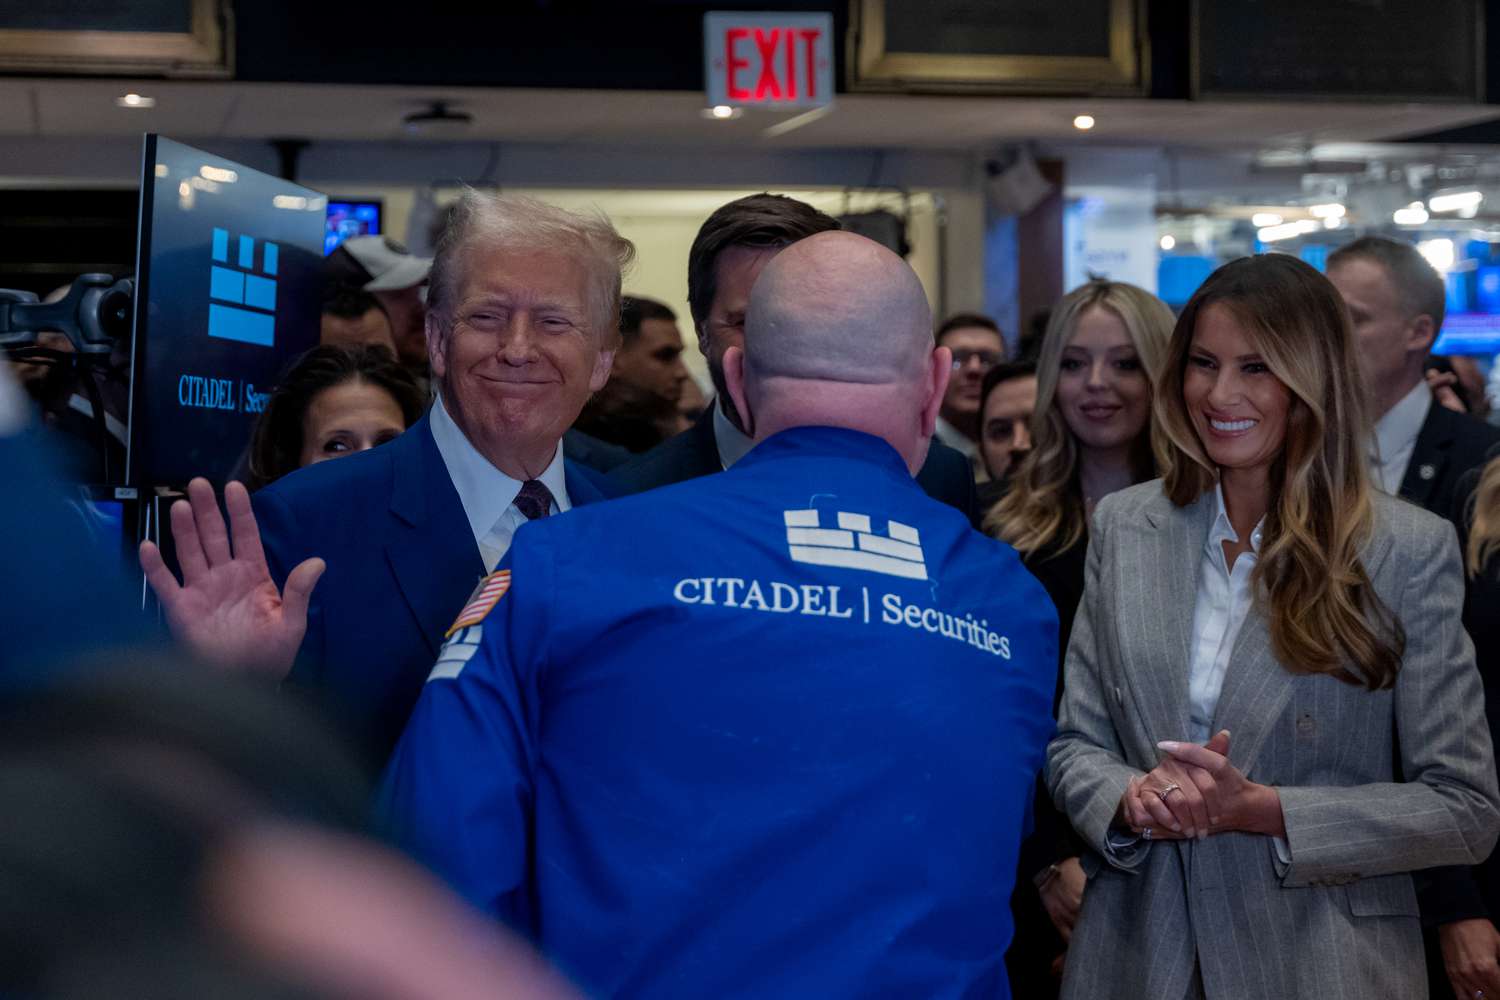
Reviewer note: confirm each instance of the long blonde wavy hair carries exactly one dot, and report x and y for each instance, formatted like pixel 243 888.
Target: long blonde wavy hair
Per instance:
pixel 1044 510
pixel 1310 582
pixel 1484 533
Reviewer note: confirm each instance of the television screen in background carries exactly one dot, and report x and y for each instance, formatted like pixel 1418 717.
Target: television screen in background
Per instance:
pixel 229 283
pixel 351 218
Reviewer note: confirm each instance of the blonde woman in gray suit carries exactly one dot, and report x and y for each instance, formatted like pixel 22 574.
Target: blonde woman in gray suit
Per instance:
pixel 1271 714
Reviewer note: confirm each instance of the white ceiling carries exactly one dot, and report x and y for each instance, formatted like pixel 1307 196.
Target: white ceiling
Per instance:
pixel 48 108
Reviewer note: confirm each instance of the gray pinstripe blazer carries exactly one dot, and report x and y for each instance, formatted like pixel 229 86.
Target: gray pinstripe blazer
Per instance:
pixel 1373 784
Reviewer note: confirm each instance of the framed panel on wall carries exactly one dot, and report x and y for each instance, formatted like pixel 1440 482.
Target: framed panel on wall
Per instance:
pixel 1394 50
pixel 141 38
pixel 1020 46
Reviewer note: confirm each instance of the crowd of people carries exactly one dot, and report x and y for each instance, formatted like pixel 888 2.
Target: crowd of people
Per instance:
pixel 1199 709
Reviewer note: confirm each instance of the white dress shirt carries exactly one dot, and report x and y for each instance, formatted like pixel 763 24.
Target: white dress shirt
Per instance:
pixel 733 443
pixel 1224 599
pixel 487 494
pixel 1396 437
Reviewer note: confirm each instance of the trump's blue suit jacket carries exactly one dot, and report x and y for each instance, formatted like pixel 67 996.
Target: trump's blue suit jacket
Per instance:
pixel 401 561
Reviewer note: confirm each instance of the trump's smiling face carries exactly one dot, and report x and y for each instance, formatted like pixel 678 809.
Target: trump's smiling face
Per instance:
pixel 517 356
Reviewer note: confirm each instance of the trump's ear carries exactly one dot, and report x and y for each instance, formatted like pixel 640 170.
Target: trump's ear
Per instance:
pixel 734 381
pixel 437 345
pixel 940 370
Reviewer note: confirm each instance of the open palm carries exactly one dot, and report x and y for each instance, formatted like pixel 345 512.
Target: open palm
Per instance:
pixel 227 609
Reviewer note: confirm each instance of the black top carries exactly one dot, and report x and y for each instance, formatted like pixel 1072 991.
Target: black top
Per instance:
pixel 946 476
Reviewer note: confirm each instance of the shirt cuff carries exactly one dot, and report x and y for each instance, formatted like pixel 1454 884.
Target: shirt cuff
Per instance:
pixel 1283 852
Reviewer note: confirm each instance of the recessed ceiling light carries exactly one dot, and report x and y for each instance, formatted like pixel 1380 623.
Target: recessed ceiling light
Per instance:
pixel 1083 122
pixel 722 112
pixel 1168 242
pixel 135 101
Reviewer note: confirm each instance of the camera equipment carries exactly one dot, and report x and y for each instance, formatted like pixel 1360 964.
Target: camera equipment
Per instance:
pixel 95 314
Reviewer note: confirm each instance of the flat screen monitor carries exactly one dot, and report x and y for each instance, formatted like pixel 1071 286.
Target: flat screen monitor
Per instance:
pixel 1472 299
pixel 229 279
pixel 351 218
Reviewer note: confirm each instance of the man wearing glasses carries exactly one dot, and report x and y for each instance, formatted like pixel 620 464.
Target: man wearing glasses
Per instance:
pixel 977 347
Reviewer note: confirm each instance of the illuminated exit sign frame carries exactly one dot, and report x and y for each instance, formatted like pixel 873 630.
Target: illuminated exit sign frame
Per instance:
pixel 773 61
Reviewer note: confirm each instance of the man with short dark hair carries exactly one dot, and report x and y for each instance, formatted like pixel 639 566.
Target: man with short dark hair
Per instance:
pixel 733 246
pixel 637 408
pixel 1423 452
pixel 977 347
pixel 1007 399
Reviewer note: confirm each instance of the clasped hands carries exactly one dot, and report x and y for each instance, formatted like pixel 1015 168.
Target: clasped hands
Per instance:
pixel 1195 792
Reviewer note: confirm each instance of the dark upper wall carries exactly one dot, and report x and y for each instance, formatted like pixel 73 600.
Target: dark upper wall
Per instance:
pixel 603 44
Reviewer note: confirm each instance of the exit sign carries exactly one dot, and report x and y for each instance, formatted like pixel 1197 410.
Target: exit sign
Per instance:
pixel 768 60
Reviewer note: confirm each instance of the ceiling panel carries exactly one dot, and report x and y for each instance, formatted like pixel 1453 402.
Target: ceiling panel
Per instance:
pixel 69 108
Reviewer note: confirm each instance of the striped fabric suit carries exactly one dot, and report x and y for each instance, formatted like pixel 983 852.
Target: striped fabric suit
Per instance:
pixel 1373 785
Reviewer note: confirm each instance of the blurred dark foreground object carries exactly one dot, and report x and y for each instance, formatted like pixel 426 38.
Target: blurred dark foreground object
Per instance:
pixel 174 834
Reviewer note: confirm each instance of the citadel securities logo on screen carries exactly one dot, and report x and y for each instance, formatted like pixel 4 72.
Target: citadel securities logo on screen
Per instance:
pixel 242 307
pixel 850 541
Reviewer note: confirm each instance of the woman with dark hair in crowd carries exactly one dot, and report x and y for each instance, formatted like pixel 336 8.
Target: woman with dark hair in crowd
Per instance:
pixel 1091 434
pixel 1263 611
pixel 332 402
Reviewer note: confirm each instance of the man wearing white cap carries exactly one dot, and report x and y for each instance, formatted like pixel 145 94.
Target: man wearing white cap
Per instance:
pixel 385 269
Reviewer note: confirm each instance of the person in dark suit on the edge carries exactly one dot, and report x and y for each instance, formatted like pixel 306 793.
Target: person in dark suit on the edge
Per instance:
pixel 1427 454
pixel 523 310
pixel 727 256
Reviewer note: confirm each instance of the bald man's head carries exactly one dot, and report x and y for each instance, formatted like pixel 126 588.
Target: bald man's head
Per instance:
pixel 838 307
pixel 837 335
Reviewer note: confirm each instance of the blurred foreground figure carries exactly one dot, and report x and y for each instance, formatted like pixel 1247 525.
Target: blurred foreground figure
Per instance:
pixel 173 835
pixel 769 733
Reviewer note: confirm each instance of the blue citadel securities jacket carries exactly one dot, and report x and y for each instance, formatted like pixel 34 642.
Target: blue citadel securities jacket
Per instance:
pixel 766 733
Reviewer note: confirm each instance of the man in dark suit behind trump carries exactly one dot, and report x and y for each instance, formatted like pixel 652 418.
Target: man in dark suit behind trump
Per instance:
pixel 728 254
pixel 523 309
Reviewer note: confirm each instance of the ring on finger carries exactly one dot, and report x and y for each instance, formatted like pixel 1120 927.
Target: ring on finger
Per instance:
pixel 1162 793
pixel 1146 833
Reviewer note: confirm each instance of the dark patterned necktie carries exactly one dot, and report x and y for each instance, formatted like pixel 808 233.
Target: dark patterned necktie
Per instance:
pixel 534 500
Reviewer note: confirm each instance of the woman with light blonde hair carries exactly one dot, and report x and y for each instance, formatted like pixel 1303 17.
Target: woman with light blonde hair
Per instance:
pixel 1272 715
pixel 1091 435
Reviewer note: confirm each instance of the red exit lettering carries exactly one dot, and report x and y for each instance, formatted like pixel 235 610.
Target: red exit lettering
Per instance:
pixel 770 43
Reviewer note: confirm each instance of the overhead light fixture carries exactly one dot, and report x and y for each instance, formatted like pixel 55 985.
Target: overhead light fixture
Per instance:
pixel 1263 219
pixel 1330 210
pixel 437 119
pixel 135 101
pixel 1412 215
pixel 1332 222
pixel 1285 231
pixel 218 174
pixel 1168 242
pixel 722 112
pixel 1439 253
pixel 1083 122
pixel 1456 202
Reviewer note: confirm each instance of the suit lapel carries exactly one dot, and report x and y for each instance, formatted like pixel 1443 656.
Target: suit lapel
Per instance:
pixel 581 489
pixel 1429 458
pixel 1163 600
pixel 1256 689
pixel 431 550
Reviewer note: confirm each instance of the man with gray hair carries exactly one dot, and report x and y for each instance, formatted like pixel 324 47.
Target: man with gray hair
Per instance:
pixel 771 732
pixel 523 310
